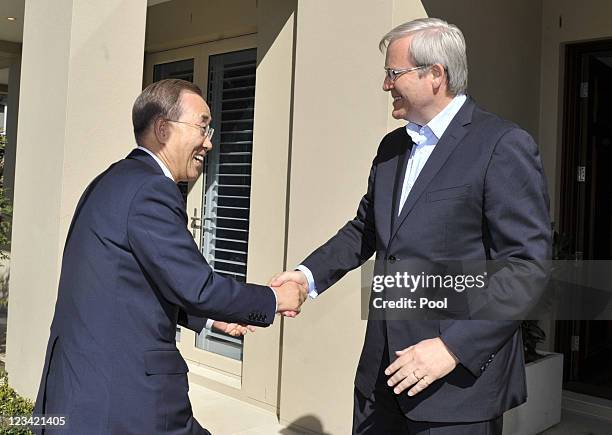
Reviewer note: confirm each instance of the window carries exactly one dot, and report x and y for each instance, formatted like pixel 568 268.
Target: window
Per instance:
pixel 227 193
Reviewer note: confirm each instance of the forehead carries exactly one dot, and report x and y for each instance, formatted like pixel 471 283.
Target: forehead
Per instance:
pixel 398 52
pixel 194 107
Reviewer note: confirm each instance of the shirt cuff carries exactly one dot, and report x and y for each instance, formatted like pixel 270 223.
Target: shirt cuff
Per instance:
pixel 275 300
pixel 209 324
pixel 312 289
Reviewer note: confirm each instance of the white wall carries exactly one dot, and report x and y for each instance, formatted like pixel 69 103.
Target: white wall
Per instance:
pixel 74 120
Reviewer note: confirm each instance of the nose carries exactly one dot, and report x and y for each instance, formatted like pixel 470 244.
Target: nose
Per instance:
pixel 387 84
pixel 207 144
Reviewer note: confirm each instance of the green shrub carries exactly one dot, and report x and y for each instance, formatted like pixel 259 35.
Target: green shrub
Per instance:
pixel 11 405
pixel 6 210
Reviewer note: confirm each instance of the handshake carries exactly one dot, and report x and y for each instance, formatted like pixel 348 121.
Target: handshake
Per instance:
pixel 291 289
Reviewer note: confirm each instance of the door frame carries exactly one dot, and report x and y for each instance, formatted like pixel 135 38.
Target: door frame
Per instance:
pixel 574 140
pixel 200 53
pixel 573 217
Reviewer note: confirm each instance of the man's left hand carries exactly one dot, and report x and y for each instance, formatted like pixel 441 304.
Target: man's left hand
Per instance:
pixel 420 365
pixel 233 329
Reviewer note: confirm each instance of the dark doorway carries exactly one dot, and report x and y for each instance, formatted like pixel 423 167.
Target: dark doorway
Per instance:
pixel 586 205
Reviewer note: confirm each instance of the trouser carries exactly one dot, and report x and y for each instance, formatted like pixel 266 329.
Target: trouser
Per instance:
pixel 380 414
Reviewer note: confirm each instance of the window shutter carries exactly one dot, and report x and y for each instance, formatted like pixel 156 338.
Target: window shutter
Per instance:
pixel 227 197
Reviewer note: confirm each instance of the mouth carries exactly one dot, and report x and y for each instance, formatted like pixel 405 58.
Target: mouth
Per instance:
pixel 199 158
pixel 397 98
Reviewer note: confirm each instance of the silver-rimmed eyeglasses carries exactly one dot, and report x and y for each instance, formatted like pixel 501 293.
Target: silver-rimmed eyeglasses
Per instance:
pixel 393 74
pixel 206 131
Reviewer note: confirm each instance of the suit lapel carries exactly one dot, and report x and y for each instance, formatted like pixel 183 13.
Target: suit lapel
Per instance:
pixel 388 180
pixel 446 145
pixel 400 174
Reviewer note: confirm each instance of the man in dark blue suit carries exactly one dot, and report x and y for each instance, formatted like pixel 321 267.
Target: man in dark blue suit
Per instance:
pixel 131 271
pixel 455 183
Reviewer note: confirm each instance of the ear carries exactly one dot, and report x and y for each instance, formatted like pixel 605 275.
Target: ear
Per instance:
pixel 161 130
pixel 439 75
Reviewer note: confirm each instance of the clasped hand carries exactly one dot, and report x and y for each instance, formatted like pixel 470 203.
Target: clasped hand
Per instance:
pixel 295 278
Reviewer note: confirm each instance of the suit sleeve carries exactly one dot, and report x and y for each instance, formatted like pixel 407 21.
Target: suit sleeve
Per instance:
pixel 354 243
pixel 195 323
pixel 517 232
pixel 167 253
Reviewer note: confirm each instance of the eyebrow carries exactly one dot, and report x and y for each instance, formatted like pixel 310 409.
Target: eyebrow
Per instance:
pixel 205 118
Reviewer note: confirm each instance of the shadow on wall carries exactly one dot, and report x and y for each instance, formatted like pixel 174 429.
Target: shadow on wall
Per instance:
pixel 314 425
pixel 507 85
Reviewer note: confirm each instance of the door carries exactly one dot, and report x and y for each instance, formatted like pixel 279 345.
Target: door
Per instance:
pixel 586 205
pixel 218 202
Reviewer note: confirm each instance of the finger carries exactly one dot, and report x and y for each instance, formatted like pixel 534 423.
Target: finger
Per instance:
pixel 398 364
pixel 280 279
pixel 406 383
pixel 274 278
pixel 251 328
pixel 404 372
pixel 420 386
pixel 295 276
pixel 403 351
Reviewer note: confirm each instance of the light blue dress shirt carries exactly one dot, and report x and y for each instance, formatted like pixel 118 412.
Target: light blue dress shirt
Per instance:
pixel 425 139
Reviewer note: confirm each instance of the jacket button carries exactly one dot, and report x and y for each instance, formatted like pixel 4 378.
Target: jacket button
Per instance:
pixel 392 259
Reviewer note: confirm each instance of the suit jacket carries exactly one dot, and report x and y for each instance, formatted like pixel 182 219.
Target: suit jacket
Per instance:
pixel 130 272
pixel 481 196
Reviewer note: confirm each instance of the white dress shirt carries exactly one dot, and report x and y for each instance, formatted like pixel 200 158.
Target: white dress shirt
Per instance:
pixel 163 167
pixel 425 139
pixel 168 174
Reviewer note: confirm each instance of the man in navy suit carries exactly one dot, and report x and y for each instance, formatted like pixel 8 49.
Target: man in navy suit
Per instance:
pixel 455 183
pixel 131 271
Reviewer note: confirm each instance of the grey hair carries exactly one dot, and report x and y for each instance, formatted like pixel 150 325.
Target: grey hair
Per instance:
pixel 435 41
pixel 161 99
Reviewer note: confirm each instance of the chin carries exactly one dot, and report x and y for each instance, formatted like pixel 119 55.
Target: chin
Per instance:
pixel 398 114
pixel 193 177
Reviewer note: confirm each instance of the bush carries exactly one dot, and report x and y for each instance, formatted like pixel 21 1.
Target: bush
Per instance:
pixel 6 210
pixel 12 405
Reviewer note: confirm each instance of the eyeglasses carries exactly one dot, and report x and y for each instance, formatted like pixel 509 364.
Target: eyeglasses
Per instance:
pixel 392 74
pixel 205 131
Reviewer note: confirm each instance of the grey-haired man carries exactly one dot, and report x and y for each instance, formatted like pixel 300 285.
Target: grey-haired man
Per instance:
pixel 459 183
